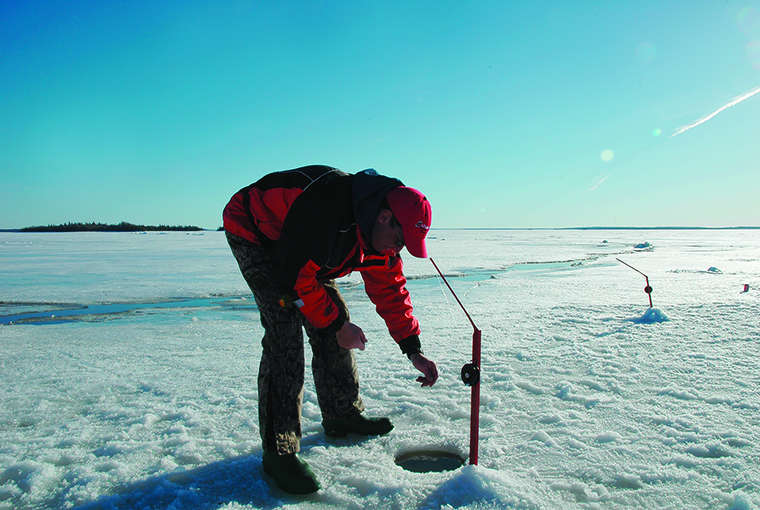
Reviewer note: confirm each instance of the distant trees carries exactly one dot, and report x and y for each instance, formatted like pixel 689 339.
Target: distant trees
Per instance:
pixel 102 227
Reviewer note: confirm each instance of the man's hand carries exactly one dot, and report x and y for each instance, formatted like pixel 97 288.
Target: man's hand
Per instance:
pixel 351 336
pixel 427 367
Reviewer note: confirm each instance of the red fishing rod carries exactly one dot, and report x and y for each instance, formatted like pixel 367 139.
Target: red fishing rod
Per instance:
pixel 470 377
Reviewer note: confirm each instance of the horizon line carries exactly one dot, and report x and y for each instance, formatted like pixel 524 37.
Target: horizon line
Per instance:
pixel 740 227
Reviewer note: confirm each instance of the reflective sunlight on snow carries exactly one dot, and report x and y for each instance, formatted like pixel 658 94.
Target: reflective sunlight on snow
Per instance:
pixel 129 369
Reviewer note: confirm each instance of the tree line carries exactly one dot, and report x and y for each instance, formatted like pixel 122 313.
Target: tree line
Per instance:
pixel 103 227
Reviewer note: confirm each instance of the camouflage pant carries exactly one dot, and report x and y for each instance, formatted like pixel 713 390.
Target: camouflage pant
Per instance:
pixel 281 371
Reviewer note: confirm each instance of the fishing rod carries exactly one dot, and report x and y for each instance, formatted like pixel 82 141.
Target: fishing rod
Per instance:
pixel 648 288
pixel 470 377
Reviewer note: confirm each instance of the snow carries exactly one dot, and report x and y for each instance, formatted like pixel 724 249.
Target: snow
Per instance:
pixel 589 398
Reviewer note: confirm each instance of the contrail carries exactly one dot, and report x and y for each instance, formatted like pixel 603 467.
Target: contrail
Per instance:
pixel 734 101
pixel 592 188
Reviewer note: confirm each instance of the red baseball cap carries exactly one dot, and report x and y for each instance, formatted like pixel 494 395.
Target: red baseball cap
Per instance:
pixel 412 210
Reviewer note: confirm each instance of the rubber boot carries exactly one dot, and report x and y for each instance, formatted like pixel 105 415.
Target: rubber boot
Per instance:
pixel 291 473
pixel 357 425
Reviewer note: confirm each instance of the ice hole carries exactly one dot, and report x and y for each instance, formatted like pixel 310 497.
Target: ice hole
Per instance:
pixel 429 461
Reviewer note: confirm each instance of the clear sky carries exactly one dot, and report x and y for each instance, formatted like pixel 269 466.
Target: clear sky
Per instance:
pixel 506 114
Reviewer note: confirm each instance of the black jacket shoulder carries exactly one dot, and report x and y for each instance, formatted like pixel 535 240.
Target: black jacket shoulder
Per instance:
pixel 320 227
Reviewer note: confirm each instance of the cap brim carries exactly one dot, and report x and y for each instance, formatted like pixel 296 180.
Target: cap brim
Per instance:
pixel 415 246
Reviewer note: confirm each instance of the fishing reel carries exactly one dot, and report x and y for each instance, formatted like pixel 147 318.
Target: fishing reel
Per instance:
pixel 470 374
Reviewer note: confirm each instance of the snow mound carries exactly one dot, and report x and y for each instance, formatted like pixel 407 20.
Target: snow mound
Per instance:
pixel 651 316
pixel 478 487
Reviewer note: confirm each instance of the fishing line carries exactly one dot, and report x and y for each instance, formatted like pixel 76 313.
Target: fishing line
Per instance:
pixel 440 284
pixel 477 284
pixel 470 376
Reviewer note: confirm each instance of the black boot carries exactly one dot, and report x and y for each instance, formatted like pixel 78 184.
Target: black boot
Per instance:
pixel 357 425
pixel 291 473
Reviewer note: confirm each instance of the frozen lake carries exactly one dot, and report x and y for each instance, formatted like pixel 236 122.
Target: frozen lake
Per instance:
pixel 129 367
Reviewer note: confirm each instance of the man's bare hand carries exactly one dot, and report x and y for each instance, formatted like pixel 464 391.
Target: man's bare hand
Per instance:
pixel 428 369
pixel 351 336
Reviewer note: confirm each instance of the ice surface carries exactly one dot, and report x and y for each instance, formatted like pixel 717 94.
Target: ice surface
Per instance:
pixel 589 398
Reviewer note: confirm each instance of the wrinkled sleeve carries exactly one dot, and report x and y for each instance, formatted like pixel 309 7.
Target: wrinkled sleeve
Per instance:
pixel 386 288
pixel 318 307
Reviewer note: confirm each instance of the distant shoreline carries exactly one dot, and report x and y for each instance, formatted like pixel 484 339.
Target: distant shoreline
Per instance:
pixel 103 227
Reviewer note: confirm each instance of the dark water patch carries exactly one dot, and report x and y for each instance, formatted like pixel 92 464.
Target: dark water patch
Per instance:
pixel 57 314
pixel 429 461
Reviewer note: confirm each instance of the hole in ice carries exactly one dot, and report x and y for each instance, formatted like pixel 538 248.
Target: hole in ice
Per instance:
pixel 429 461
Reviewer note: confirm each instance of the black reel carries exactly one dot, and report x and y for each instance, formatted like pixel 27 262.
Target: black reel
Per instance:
pixel 470 374
pixel 648 289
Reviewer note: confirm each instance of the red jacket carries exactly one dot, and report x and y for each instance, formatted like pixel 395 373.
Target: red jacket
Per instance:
pixel 317 220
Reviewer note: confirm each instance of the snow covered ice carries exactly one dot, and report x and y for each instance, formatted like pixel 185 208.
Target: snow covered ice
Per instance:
pixel 589 398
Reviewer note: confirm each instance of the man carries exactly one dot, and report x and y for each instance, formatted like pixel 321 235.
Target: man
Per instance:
pixel 293 233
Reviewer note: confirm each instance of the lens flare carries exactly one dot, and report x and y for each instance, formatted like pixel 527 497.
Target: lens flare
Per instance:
pixel 607 155
pixel 753 53
pixel 749 21
pixel 657 132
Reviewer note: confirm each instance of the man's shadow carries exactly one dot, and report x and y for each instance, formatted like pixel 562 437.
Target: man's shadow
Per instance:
pixel 239 480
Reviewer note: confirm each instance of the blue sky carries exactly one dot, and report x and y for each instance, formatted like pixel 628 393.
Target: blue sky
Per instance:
pixel 506 114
